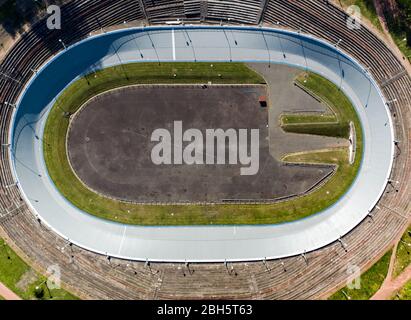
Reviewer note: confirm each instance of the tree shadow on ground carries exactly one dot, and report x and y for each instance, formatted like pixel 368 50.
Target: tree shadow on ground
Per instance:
pixel 14 14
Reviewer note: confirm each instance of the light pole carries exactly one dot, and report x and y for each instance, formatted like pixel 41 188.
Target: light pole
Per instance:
pixel 100 25
pixel 367 70
pixel 343 244
pixel 305 257
pixel 148 265
pixel 187 265
pixel 265 264
pixel 283 265
pixel 9 104
pixel 66 114
pixel 11 185
pixel 371 215
pixel 282 48
pixel 48 289
pixel 63 44
pixel 268 49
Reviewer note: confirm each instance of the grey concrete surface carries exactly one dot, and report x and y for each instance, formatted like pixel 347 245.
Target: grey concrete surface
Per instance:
pixel 287 98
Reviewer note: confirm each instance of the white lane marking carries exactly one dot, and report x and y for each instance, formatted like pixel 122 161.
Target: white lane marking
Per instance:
pixel 122 240
pixel 173 39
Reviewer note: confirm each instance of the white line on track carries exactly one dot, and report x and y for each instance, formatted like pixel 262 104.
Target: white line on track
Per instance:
pixel 122 240
pixel 173 39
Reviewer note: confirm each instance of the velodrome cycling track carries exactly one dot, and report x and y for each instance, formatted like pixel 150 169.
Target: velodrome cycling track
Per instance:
pixel 200 243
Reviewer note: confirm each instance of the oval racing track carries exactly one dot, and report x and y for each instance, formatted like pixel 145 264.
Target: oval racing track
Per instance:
pixel 201 244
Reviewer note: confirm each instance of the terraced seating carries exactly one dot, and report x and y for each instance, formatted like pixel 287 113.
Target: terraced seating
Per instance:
pixel 159 11
pixel 192 8
pixel 235 11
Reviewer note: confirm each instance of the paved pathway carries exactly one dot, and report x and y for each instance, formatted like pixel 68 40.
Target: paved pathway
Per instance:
pixel 391 286
pixel 7 294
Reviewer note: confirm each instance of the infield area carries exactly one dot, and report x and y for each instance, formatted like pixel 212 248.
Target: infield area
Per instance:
pixel 107 152
pixel 110 146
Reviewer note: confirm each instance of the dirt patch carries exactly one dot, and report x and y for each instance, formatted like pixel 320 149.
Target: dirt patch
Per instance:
pixel 27 279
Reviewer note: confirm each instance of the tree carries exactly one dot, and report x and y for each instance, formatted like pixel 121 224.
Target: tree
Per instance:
pixel 39 292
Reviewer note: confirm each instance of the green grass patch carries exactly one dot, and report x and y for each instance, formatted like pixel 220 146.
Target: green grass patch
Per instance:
pixel 308 119
pixel 7 10
pixel 334 123
pixel 13 17
pixel 371 281
pixel 367 10
pixel 148 73
pixel 401 41
pixel 396 26
pixel 336 156
pixel 404 293
pixel 399 24
pixel 403 254
pixel 21 279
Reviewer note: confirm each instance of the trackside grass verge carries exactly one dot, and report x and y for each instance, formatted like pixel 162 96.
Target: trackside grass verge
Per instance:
pixel 400 39
pixel 371 281
pixel 335 123
pixel 398 19
pixel 367 10
pixel 22 280
pixel 404 293
pixel 148 73
pixel 403 254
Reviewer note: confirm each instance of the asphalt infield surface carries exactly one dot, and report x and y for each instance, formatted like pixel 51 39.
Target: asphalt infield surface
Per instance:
pixel 109 146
